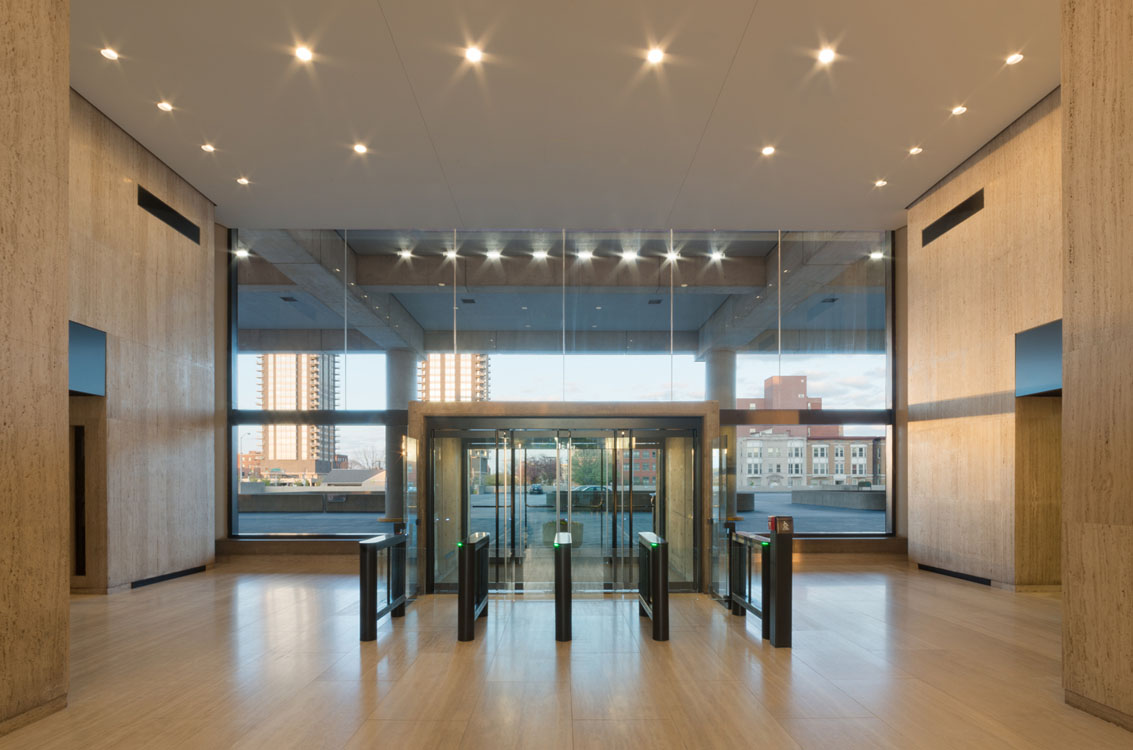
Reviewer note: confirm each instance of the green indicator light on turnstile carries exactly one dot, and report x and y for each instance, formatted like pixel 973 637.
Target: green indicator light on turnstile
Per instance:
pixel 654 544
pixel 556 545
pixel 765 544
pixel 460 544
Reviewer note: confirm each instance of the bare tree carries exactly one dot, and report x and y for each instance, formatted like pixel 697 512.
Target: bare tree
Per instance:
pixel 367 458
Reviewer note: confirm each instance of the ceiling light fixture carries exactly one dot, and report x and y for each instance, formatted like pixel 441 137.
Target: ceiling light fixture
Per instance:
pixel 881 183
pixel 717 255
pixel 241 253
pixel 541 254
pixel 768 150
pixel 304 53
pixel 451 254
pixel 672 255
pixel 473 54
pixel 915 150
pixel 826 55
pixel 629 254
pixel 876 255
pixel 495 254
pixel 405 253
pixel 683 286
pixel 208 147
pixel 243 180
pixel 1011 59
pixel 655 55
pixel 585 254
pixel 110 54
pixel 165 106
pixel 360 148
pixel 959 109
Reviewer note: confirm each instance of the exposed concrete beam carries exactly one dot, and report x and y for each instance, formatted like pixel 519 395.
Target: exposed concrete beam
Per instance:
pixel 525 274
pixel 328 340
pixel 551 342
pixel 309 259
pixel 811 262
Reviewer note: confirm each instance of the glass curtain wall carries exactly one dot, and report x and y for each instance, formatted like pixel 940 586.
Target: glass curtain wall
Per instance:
pixel 338 330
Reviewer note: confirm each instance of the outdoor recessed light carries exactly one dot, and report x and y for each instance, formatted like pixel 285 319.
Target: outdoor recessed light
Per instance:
pixel 876 255
pixel 110 54
pixel 304 53
pixel 1011 59
pixel 360 148
pixel 406 253
pixel 585 254
pixel 494 255
pixel 473 54
pixel 208 147
pixel 826 55
pixel 915 150
pixel 241 253
pixel 881 183
pixel 243 180
pixel 717 255
pixel 165 106
pixel 768 150
pixel 655 55
pixel 959 109
pixel 540 254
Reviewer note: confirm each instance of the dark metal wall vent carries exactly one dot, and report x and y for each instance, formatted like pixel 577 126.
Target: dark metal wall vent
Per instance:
pixel 166 213
pixel 468 300
pixel 654 301
pixel 289 299
pixel 965 210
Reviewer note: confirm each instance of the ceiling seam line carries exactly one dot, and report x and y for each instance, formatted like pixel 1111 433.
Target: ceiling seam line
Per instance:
pixel 421 114
pixel 711 113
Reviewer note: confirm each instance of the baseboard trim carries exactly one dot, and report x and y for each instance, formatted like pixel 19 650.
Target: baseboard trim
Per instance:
pixel 1112 715
pixel 32 715
pixel 954 574
pixel 167 577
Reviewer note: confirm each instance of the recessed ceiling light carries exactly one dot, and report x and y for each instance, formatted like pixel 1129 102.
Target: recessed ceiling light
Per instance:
pixel 450 253
pixel 338 270
pixel 717 255
pixel 110 54
pixel 672 255
pixel 768 150
pixel 523 308
pixel 243 180
pixel 655 55
pixel 597 307
pixel 876 255
pixel 406 253
pixel 915 150
pixel 208 147
pixel 881 183
pixel 440 283
pixel 629 254
pixel 304 53
pixel 683 286
pixel 585 254
pixel 541 254
pixel 360 148
pixel 165 106
pixel 495 254
pixel 959 109
pixel 1011 59
pixel 241 253
pixel 473 54
pixel 826 55
pixel 593 325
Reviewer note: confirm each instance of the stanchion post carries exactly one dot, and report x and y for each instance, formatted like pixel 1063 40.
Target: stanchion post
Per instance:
pixel 781 572
pixel 659 589
pixel 562 586
pixel 466 602
pixel 368 596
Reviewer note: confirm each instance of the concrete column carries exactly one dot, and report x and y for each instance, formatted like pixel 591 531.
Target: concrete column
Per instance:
pixel 720 385
pixel 401 388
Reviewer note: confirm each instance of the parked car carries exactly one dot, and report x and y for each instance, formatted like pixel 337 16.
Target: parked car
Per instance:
pixel 536 489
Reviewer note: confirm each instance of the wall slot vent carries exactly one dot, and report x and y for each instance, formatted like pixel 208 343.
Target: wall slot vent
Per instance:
pixel 654 301
pixel 289 299
pixel 468 300
pixel 165 212
pixel 965 210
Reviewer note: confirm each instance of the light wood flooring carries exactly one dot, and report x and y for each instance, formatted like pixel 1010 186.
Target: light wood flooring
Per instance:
pixel 264 652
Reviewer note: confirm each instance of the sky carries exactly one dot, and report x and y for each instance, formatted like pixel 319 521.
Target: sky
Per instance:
pixel 843 381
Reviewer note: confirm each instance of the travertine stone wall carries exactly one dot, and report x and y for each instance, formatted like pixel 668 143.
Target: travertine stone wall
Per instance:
pixel 34 515
pixel 1097 428
pixel 152 290
pixel 968 293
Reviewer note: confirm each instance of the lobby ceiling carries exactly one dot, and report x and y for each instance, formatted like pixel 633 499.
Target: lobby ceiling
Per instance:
pixel 564 123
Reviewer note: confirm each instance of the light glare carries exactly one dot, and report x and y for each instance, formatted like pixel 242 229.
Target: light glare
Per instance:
pixel 406 253
pixel 495 254
pixel 1015 58
pixel 876 255
pixel 241 253
pixel 360 148
pixel 585 254
pixel 959 109
pixel 915 150
pixel 540 255
pixel 826 55
pixel 109 54
pixel 717 255
pixel 768 150
pixel 655 55
pixel 304 54
pixel 473 54
pixel 881 183
pixel 242 180
pixel 208 147
pixel 165 106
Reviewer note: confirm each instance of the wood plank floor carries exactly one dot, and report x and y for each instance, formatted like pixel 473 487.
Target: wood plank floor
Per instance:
pixel 264 652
